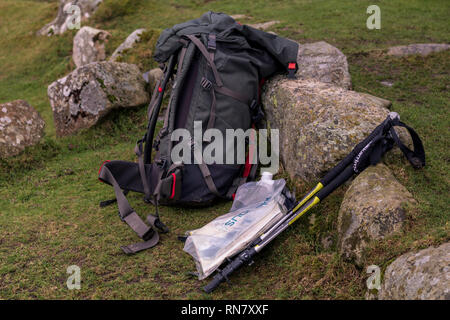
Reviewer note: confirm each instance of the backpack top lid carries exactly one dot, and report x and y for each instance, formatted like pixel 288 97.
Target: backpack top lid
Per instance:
pixel 280 49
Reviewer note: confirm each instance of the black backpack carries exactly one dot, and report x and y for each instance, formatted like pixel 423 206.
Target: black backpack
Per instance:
pixel 216 67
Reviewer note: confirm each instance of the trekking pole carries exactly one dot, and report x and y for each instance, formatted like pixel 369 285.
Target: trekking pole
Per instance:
pixel 256 246
pixel 367 152
pixel 331 175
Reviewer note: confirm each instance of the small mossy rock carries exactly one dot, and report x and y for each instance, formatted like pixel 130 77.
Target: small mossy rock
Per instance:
pixel 264 25
pixel 20 126
pixel 65 16
pixel 240 16
pixel 87 94
pixel 374 206
pixel 89 46
pixel 422 49
pixel 129 43
pixel 323 62
pixel 318 123
pixel 423 275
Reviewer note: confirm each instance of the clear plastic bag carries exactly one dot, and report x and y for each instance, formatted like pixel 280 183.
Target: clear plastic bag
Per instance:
pixel 256 207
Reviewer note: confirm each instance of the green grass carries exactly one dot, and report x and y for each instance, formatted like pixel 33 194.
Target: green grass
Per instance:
pixel 49 214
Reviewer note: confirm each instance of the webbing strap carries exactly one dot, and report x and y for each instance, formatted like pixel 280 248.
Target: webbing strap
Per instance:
pixel 181 60
pixel 206 84
pixel 212 113
pixel 207 56
pixel 163 129
pixel 382 139
pixel 136 223
pixel 128 215
pixel 157 191
pixel 416 157
pixel 228 92
pixel 211 45
pixel 206 173
pixel 141 165
pixel 139 246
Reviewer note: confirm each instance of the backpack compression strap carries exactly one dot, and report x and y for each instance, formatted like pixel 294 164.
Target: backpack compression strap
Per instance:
pixel 208 54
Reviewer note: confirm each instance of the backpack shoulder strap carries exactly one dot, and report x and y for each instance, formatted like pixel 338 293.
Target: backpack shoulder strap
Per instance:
pixel 144 155
pixel 155 108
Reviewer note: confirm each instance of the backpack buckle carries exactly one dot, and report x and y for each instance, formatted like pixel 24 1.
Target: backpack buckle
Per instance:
pixel 161 163
pixel 211 41
pixel 206 84
pixel 292 69
pixel 253 105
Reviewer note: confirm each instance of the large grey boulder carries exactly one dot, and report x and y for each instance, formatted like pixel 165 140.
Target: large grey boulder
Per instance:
pixel 319 123
pixel 422 49
pixel 374 207
pixel 129 43
pixel 87 94
pixel 423 275
pixel 89 46
pixel 323 62
pixel 66 16
pixel 20 126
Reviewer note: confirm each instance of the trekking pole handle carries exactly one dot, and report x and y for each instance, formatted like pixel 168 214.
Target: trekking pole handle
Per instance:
pixel 333 173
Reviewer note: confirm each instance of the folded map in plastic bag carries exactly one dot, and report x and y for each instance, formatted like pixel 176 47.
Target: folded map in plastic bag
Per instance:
pixel 257 206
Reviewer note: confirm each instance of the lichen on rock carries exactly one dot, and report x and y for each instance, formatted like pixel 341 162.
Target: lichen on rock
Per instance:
pixel 319 123
pixel 20 126
pixel 129 43
pixel 89 46
pixel 374 207
pixel 87 94
pixel 422 49
pixel 423 275
pixel 323 62
pixel 65 15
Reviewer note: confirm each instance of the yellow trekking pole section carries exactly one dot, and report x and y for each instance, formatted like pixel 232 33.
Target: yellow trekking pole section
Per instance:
pixel 308 196
pixel 315 201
